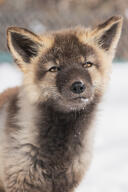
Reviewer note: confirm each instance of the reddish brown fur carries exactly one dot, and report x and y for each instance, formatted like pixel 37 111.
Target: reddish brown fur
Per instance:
pixel 6 95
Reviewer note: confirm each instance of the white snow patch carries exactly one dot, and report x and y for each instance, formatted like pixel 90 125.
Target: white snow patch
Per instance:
pixel 10 76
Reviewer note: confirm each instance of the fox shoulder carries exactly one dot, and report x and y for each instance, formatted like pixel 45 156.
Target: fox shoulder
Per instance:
pixel 7 95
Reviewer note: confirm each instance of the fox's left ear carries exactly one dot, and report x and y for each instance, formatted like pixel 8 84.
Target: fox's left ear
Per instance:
pixel 107 34
pixel 23 44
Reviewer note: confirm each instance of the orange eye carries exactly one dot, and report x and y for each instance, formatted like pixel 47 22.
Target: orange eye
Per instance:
pixel 54 69
pixel 87 64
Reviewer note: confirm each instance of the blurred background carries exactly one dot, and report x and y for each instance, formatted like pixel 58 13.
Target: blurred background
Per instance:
pixel 43 15
pixel 109 168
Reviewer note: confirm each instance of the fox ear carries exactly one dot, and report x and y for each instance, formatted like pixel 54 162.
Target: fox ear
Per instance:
pixel 108 33
pixel 23 44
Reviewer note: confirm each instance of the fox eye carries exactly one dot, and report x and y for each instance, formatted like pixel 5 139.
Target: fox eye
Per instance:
pixel 54 69
pixel 87 64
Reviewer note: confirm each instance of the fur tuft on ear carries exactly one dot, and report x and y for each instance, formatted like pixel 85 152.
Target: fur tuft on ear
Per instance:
pixel 108 33
pixel 23 44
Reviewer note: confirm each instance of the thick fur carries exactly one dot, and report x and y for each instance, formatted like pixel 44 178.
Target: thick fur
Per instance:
pixel 46 130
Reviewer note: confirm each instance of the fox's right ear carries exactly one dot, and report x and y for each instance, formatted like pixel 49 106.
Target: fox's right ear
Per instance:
pixel 23 44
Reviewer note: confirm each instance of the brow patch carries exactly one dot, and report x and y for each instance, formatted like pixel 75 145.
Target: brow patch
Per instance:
pixel 82 59
pixel 57 61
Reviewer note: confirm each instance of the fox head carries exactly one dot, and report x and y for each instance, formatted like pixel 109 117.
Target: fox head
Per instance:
pixel 68 68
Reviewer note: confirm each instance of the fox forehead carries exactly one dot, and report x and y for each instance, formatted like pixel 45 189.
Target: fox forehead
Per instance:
pixel 67 47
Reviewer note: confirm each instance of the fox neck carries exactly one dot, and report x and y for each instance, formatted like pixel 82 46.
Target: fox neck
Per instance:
pixel 61 132
pixel 56 134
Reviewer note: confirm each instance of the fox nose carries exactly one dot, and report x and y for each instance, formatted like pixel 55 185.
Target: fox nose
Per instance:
pixel 77 87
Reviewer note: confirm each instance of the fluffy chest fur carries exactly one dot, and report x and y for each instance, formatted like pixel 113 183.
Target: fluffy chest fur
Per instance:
pixel 51 147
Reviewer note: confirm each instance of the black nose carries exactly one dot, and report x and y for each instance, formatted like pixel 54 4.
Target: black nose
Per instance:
pixel 77 87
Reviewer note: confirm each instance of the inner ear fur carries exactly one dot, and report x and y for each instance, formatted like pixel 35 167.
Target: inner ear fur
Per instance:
pixel 23 44
pixel 108 33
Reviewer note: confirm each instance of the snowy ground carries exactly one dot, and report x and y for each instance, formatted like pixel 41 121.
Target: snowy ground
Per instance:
pixel 109 168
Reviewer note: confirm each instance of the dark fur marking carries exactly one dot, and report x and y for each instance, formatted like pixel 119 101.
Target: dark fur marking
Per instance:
pixel 55 154
pixel 67 47
pixel 24 46
pixel 12 112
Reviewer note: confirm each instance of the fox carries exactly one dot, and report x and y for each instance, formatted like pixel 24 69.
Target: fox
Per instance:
pixel 47 124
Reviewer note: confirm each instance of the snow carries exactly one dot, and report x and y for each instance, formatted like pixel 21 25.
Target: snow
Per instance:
pixel 10 76
pixel 109 169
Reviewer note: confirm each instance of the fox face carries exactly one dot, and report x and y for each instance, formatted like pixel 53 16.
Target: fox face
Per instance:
pixel 69 68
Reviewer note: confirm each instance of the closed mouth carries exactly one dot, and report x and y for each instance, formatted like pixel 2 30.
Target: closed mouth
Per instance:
pixel 81 99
